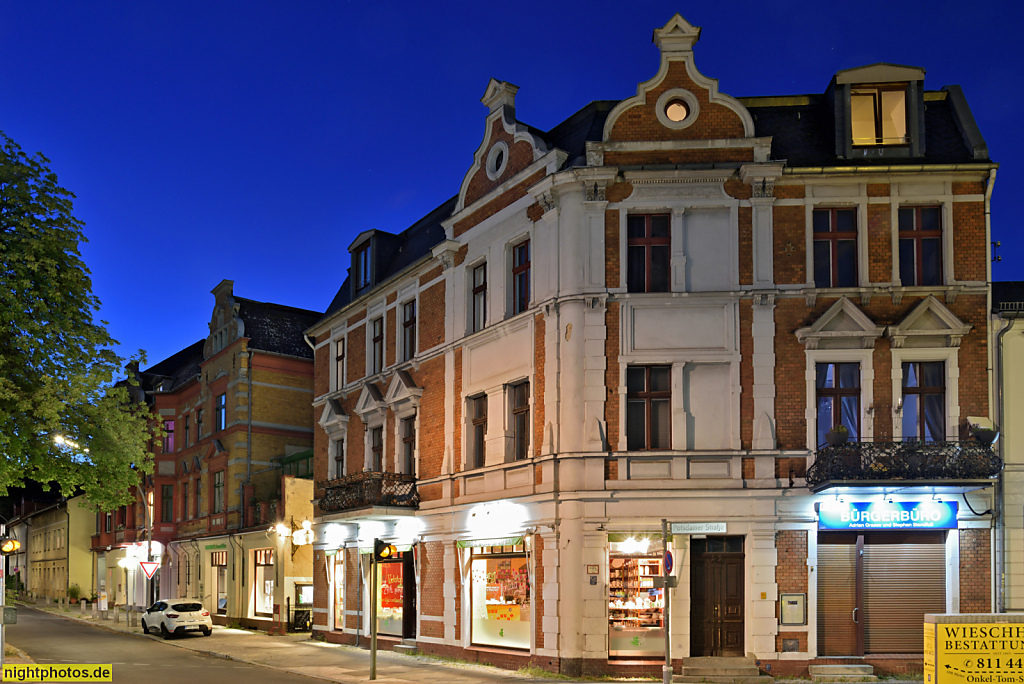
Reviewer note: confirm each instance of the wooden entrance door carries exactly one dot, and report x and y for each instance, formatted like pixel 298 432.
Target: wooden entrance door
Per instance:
pixel 716 597
pixel 408 596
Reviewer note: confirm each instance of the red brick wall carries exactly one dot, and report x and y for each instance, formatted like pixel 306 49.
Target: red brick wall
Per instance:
pixel 640 122
pixel 390 338
pixel 430 437
pixel 747 468
pixel 790 366
pixel 618 191
pixel 746 245
pixel 431 316
pixel 973 356
pixel 520 156
pixel 612 276
pixel 432 581
pixel 746 373
pixel 975 571
pixel 970 247
pixel 790 250
pixel 611 373
pixel 878 190
pixel 880 243
pixel 352 584
pixel 322 370
pixel 355 353
pixel 497 204
pixel 790 573
pixel 319 581
pixel 790 192
pixel 972 188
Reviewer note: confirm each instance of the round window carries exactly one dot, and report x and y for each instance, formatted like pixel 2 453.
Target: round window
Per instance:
pixel 677 110
pixel 497 159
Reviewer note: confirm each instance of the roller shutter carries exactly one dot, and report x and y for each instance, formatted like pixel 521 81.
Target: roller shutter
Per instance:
pixel 837 594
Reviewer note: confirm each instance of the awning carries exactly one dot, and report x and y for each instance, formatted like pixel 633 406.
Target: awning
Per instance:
pixel 475 543
pixel 399 547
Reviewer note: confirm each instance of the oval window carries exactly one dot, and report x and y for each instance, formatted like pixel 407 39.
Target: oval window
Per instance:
pixel 677 110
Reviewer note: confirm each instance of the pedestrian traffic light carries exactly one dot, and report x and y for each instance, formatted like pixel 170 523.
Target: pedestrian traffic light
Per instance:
pixel 9 545
pixel 383 551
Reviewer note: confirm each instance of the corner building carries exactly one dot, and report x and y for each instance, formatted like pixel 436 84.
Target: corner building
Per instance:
pixel 656 311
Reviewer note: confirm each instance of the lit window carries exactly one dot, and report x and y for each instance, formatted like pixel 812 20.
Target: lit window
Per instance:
pixel 878 116
pixel 648 407
pixel 408 330
pixel 924 401
pixel 168 436
pixel 648 242
pixel 835 247
pixel 520 277
pixel 221 411
pixel 920 245
pixel 838 390
pixel 479 318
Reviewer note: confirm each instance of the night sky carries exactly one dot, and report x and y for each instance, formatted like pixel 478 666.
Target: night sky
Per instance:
pixel 254 140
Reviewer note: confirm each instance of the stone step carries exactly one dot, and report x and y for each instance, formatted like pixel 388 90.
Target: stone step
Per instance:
pixel 410 642
pixel 709 661
pixel 724 671
pixel 844 678
pixel 406 649
pixel 842 669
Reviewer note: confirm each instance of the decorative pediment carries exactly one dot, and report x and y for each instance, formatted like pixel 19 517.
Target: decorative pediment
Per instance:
pixel 403 396
pixel 370 401
pixel 184 467
pixel 214 450
pixel 930 324
pixel 334 420
pixel 225 324
pixel 842 326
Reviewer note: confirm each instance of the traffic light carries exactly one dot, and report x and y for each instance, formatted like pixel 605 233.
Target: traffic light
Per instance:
pixel 9 545
pixel 383 551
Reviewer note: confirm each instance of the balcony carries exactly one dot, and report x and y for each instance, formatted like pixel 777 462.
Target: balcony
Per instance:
pixel 364 490
pixel 911 462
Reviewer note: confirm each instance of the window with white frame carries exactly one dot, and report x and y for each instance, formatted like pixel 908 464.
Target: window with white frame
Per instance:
pixel 878 114
pixel 478 305
pixel 519 408
pixel 377 345
pixel 476 410
pixel 648 244
pixel 920 230
pixel 376 443
pixel 837 393
pixel 408 330
pixel 520 280
pixel 339 363
pixel 336 464
pixel 835 247
pixel 407 433
pixel 924 401
pixel 648 407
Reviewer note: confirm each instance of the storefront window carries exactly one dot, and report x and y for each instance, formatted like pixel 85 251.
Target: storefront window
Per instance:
pixel 636 627
pixel 501 607
pixel 339 590
pixel 389 597
pixel 264 587
pixel 219 560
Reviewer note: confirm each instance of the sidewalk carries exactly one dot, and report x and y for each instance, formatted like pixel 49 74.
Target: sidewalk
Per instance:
pixel 298 654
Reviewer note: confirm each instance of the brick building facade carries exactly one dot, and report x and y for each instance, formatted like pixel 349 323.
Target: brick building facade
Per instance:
pixel 656 311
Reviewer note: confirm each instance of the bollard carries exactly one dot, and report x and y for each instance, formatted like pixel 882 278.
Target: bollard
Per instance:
pixel 95 610
pixel 117 615
pixel 81 604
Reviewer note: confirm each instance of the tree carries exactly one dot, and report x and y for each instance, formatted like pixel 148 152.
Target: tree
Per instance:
pixel 62 418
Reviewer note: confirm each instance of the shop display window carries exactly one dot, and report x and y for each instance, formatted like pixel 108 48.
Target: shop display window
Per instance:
pixel 636 608
pixel 339 590
pixel 264 587
pixel 501 592
pixel 219 560
pixel 390 579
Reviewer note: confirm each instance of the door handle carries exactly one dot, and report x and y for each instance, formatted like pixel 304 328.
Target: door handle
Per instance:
pixel 854 616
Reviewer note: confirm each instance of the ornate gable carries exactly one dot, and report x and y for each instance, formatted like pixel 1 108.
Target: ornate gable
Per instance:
pixel 842 326
pixel 679 103
pixel 370 402
pixel 508 147
pixel 403 396
pixel 225 325
pixel 334 420
pixel 929 324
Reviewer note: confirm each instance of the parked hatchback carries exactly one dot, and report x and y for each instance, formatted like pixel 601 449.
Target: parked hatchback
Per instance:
pixel 177 617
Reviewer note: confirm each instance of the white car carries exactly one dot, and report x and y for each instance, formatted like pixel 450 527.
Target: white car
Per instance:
pixel 177 617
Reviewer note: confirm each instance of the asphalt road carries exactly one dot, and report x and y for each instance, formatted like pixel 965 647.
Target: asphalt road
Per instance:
pixel 52 640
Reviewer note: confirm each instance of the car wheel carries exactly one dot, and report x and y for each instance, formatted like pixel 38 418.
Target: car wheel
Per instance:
pixel 145 628
pixel 207 632
pixel 163 631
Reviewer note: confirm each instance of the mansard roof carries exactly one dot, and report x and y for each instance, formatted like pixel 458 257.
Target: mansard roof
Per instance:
pixel 275 327
pixel 174 371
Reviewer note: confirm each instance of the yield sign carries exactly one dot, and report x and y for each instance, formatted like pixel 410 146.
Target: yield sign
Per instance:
pixel 149 567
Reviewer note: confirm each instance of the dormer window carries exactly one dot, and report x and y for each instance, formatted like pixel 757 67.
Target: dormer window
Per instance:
pixel 361 264
pixel 878 114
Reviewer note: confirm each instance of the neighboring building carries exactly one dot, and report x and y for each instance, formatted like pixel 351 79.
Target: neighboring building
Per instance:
pixel 656 311
pixel 1008 350
pixel 55 549
pixel 235 410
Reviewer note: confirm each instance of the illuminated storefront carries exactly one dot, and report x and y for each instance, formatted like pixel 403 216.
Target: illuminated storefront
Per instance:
pixel 391 596
pixel 636 617
pixel 500 592
pixel 336 562
pixel 263 588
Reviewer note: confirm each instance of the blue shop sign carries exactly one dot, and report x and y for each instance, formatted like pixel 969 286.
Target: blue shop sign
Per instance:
pixel 884 515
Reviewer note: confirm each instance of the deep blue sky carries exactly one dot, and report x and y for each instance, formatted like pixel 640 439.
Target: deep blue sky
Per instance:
pixel 253 140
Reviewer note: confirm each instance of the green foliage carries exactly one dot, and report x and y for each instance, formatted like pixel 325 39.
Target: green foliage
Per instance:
pixel 74 592
pixel 57 364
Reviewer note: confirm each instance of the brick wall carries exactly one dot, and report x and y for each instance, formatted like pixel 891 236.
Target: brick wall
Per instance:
pixel 969 244
pixel 679 156
pixel 322 374
pixel 791 575
pixel 535 591
pixel 430 438
pixel 790 249
pixel 975 571
pixel 520 156
pixel 352 584
pixel 973 356
pixel 880 243
pixel 390 338
pixel 457 413
pixel 506 198
pixel 355 354
pixel 431 316
pixel 790 365
pixel 612 276
pixel 746 245
pixel 611 373
pixel 432 582
pixel 640 122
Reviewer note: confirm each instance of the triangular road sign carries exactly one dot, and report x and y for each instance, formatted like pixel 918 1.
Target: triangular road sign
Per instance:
pixel 149 567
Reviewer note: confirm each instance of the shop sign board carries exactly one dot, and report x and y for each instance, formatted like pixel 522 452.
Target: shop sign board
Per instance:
pixel 887 515
pixel 699 528
pixel 973 648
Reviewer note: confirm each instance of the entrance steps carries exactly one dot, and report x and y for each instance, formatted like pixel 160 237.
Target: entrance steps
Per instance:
pixel 842 673
pixel 721 671
pixel 408 647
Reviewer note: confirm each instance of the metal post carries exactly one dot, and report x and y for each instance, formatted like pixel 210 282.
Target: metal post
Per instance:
pixel 3 599
pixel 666 670
pixel 373 613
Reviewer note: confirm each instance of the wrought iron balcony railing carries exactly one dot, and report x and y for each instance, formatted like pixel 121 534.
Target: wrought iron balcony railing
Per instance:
pixel 909 460
pixel 362 490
